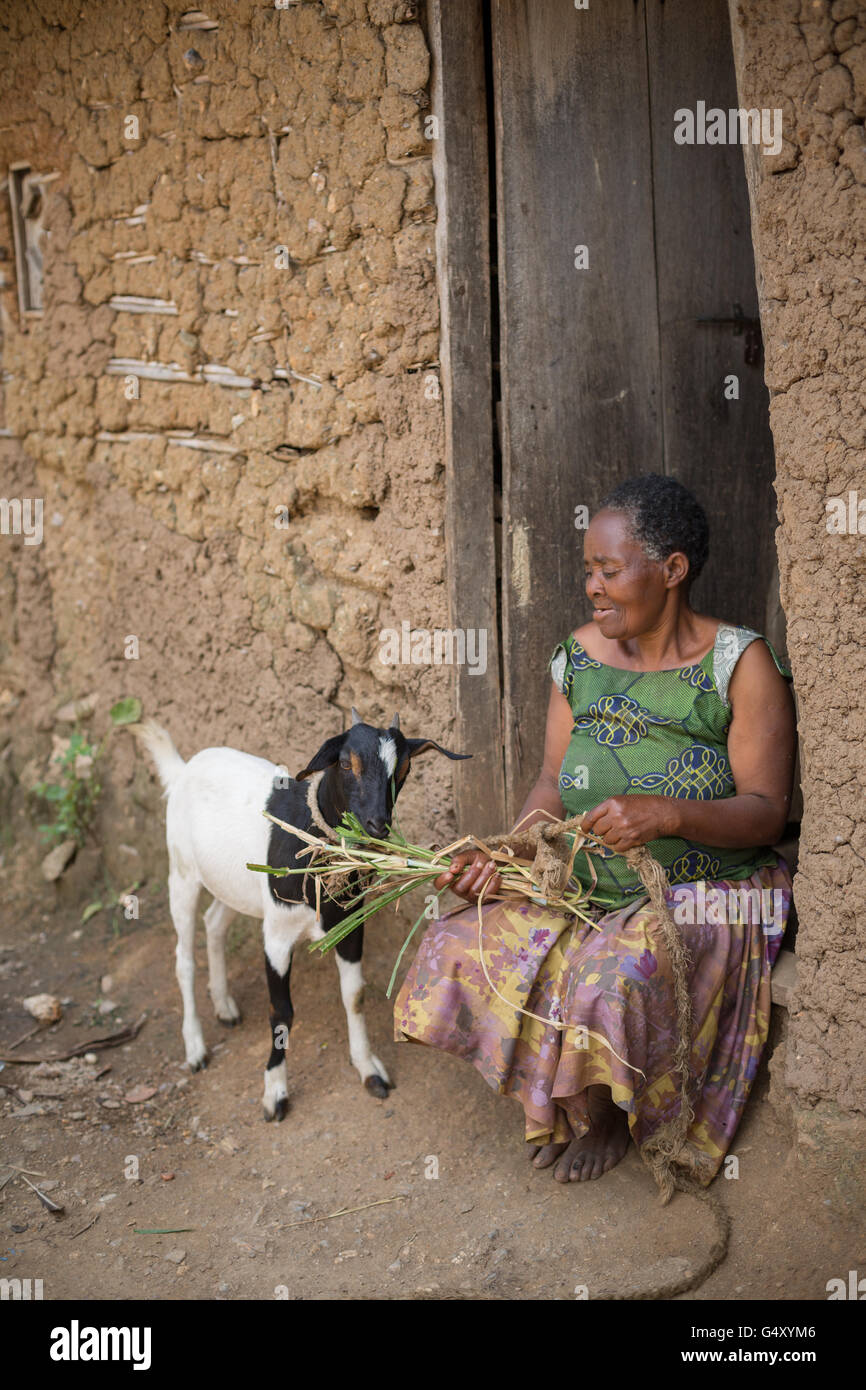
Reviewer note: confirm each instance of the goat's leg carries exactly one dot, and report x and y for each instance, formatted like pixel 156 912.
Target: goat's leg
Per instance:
pixel 183 893
pixel 369 1068
pixel 279 942
pixel 216 921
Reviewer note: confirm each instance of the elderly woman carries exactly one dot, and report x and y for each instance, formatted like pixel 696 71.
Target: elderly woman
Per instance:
pixel 665 728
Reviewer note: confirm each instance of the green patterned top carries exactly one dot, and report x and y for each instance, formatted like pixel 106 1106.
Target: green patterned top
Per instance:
pixel 664 733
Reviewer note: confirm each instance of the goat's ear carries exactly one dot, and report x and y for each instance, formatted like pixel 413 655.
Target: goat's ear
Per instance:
pixel 422 745
pixel 326 757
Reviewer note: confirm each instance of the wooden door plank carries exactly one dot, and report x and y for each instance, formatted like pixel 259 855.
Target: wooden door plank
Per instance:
pixel 721 449
pixel 463 258
pixel 580 373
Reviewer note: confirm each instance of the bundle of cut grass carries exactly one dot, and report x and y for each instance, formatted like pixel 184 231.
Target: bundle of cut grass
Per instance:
pixel 389 869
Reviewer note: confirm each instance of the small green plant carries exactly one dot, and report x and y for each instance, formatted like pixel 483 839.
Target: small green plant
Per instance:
pixel 75 795
pixel 114 904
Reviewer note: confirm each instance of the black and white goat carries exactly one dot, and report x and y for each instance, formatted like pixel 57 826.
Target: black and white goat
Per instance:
pixel 215 827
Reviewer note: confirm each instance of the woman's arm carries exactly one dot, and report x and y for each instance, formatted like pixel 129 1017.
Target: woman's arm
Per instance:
pixel 544 796
pixel 470 871
pixel 761 749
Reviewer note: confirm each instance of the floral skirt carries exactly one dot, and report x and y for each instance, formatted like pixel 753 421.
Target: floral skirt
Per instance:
pixel 611 983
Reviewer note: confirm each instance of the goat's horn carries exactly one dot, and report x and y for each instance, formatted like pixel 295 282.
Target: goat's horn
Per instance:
pixel 395 722
pixel 356 718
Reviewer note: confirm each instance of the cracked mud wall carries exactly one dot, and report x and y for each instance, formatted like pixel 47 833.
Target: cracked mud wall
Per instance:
pixel 809 232
pixel 231 404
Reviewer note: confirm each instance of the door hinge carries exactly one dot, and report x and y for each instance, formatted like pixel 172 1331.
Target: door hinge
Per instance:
pixel 740 324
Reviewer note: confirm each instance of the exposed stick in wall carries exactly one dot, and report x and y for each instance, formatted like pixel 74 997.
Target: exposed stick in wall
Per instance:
pixel 138 304
pixel 272 147
pixel 134 218
pixel 195 19
pixel 282 372
pixel 180 440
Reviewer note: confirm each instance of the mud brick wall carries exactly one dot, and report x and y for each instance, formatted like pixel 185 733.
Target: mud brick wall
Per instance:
pixel 256 249
pixel 809 230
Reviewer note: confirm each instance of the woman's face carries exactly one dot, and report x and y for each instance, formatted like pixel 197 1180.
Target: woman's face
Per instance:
pixel 627 589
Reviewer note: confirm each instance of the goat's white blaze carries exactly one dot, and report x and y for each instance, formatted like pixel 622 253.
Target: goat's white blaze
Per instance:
pixel 388 753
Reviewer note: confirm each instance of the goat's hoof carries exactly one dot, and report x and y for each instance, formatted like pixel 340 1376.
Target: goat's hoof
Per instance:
pixel 377 1087
pixel 226 1010
pixel 198 1061
pixel 281 1110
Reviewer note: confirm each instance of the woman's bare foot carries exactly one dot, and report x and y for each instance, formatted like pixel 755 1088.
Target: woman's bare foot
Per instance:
pixel 541 1156
pixel 602 1148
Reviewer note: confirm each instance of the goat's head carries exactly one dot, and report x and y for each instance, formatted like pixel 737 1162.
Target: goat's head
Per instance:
pixel 365 768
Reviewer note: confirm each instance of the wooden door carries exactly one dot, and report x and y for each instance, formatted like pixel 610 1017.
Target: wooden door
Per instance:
pixel 613 361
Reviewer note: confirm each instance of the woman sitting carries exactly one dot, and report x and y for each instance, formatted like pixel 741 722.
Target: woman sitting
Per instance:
pixel 665 728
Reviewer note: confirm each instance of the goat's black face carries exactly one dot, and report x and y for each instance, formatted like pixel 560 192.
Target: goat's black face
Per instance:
pixel 368 766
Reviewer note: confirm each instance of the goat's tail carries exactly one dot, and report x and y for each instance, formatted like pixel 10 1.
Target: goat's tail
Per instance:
pixel 158 743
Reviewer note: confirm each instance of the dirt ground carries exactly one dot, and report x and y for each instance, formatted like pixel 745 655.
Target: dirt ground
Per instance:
pixel 446 1203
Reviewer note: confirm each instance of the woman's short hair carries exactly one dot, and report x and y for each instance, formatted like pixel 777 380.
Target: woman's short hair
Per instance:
pixel 663 516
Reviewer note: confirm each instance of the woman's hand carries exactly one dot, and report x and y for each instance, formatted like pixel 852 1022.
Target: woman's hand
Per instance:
pixel 626 821
pixel 468 874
